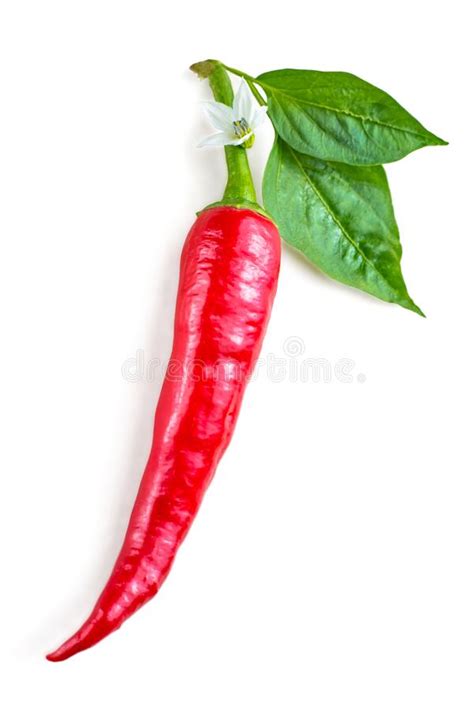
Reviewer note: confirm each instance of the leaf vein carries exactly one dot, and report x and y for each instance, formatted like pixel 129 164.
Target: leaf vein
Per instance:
pixel 346 112
pixel 337 221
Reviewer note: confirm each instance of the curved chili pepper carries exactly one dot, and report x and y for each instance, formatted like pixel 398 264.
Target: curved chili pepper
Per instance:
pixel 228 278
pixel 229 271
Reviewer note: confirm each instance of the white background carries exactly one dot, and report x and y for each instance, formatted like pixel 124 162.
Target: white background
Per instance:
pixel 331 564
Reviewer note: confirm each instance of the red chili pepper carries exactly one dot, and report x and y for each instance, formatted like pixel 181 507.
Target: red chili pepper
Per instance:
pixel 228 277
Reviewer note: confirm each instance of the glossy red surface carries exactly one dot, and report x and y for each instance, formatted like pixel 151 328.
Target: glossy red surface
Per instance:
pixel 229 271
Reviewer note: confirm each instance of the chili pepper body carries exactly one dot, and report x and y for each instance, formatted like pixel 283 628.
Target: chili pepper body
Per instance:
pixel 228 278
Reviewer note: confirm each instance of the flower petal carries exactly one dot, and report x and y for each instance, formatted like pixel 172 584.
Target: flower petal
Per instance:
pixel 219 115
pixel 243 103
pixel 215 139
pixel 259 116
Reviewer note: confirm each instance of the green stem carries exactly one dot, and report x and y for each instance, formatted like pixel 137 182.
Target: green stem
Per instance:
pixel 240 187
pixel 250 81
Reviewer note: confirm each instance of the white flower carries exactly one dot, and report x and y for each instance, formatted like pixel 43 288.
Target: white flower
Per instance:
pixel 236 125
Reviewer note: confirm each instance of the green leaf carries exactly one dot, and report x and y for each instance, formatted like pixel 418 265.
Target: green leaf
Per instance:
pixel 337 116
pixel 340 217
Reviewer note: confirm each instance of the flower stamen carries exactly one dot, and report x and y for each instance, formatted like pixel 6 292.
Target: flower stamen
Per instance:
pixel 241 129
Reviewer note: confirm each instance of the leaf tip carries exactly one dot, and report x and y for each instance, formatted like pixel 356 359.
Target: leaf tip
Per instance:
pixel 410 305
pixel 438 141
